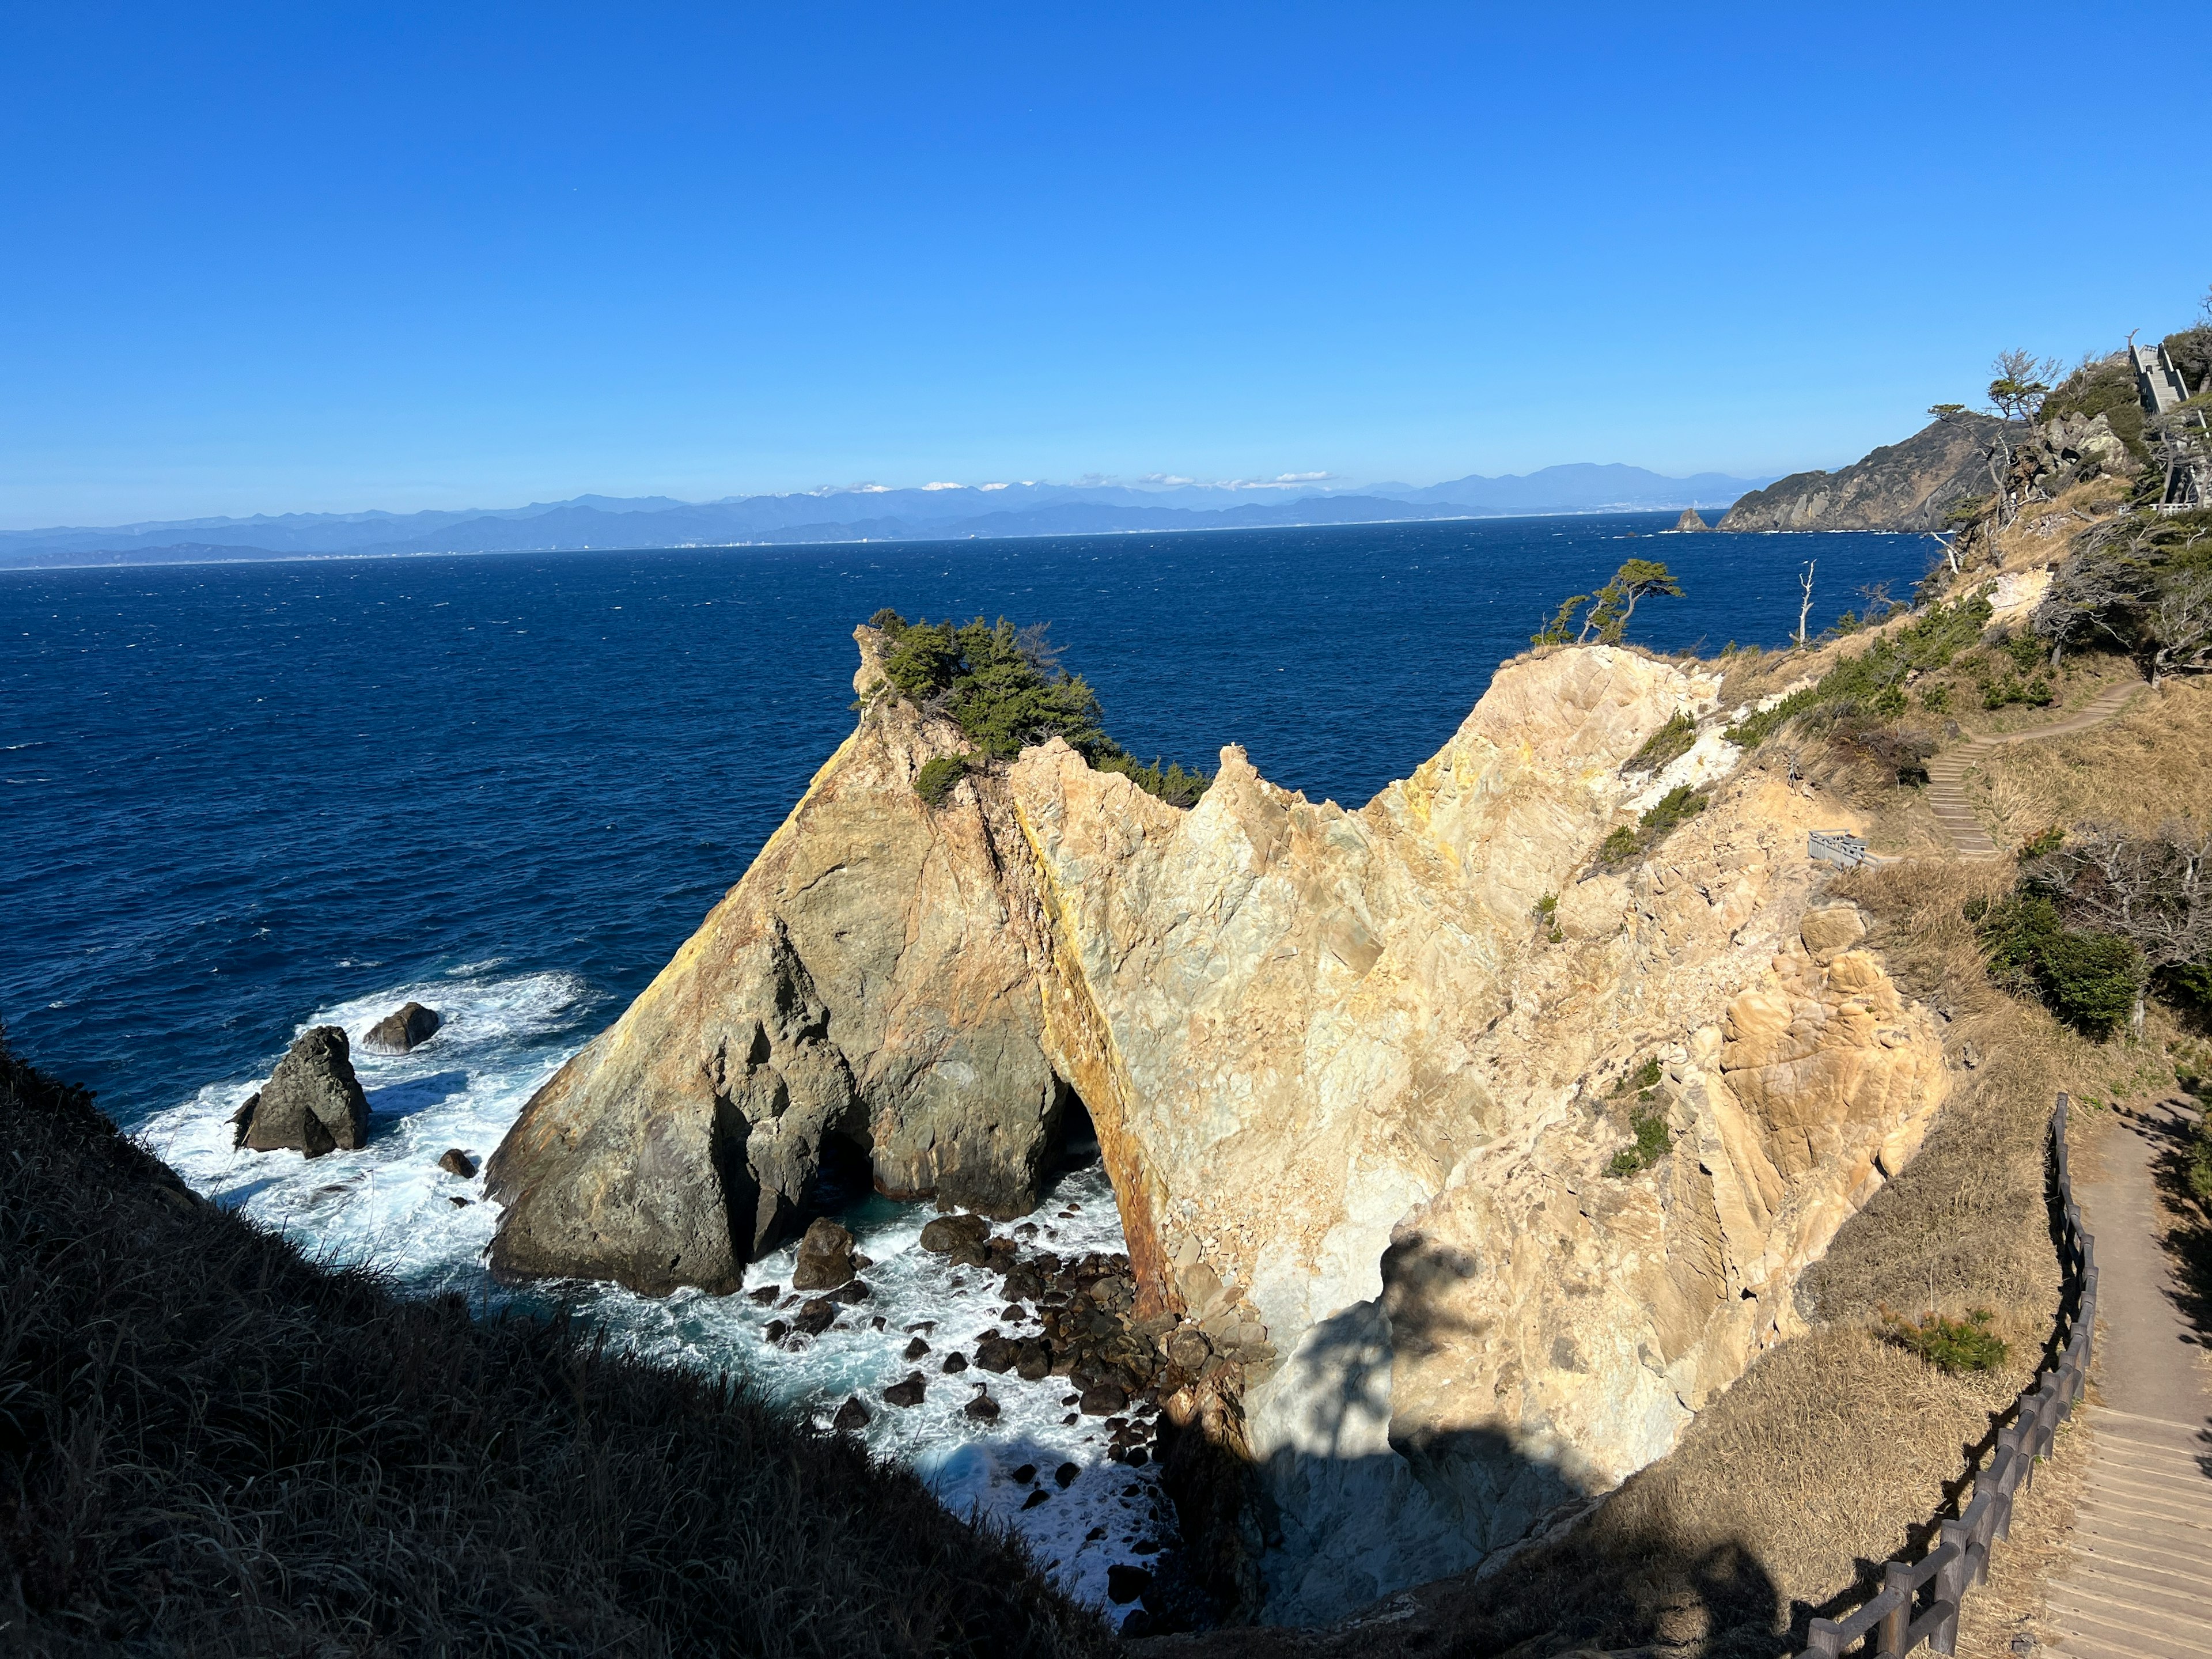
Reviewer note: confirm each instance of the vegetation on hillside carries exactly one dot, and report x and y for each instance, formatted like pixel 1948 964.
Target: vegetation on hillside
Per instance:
pixel 1610 607
pixel 2141 585
pixel 1006 690
pixel 1951 1344
pixel 1628 843
pixel 210 1446
pixel 1668 744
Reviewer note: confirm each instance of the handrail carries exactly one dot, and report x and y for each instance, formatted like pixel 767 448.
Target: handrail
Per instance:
pixel 1895 1616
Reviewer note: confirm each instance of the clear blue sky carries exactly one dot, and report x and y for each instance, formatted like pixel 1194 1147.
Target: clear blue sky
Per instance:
pixel 329 256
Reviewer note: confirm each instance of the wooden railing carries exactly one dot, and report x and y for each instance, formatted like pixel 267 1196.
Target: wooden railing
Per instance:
pixel 1919 1600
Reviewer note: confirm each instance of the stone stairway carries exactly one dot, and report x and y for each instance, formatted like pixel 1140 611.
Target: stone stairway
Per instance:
pixel 2139 1584
pixel 1947 773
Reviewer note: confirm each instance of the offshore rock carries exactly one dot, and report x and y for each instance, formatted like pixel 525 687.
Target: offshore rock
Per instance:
pixel 402 1030
pixel 869 979
pixel 1690 521
pixel 311 1104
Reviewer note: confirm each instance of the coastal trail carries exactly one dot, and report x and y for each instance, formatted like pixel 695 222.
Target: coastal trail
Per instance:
pixel 2141 1577
pixel 1947 772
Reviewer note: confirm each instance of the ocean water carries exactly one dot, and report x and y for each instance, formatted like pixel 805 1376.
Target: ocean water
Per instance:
pixel 236 800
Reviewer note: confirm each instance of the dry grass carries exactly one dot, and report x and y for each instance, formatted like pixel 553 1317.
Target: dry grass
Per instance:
pixel 209 1446
pixel 2153 763
pixel 2045 532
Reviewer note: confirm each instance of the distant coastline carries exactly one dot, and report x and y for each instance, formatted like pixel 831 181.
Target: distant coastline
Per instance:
pixel 187 554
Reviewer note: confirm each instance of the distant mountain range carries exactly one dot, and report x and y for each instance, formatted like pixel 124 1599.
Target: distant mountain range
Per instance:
pixel 863 514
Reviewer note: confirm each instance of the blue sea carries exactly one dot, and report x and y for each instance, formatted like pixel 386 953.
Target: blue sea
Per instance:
pixel 243 798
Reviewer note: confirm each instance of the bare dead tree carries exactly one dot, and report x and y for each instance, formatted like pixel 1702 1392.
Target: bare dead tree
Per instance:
pixel 1805 605
pixel 2019 382
pixel 2177 628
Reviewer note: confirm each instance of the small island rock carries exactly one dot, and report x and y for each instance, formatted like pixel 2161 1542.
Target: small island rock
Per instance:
pixel 311 1104
pixel 1689 520
pixel 405 1028
pixel 454 1161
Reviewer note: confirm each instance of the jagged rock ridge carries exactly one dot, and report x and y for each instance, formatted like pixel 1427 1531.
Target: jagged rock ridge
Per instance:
pixel 1356 1093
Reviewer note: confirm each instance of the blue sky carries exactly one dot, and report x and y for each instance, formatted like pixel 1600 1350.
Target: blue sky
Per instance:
pixel 329 257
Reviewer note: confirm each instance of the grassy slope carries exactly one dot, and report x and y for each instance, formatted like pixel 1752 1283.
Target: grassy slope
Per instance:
pixel 210 1446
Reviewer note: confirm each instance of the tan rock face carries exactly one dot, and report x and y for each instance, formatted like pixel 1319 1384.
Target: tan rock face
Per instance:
pixel 1362 1099
pixel 867 981
pixel 1357 1100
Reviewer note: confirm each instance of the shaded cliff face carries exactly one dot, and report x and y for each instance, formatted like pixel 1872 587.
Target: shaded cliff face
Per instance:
pixel 1358 1100
pixel 1905 486
pixel 869 980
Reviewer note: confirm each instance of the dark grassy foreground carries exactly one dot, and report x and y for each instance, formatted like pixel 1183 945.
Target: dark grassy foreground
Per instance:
pixel 210 1446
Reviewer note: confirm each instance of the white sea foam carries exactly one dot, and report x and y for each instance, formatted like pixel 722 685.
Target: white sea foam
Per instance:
pixel 503 1036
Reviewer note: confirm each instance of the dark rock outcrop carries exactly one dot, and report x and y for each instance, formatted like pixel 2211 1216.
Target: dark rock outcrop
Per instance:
pixel 949 1233
pixel 454 1161
pixel 406 1028
pixel 311 1104
pixel 1905 486
pixel 825 1258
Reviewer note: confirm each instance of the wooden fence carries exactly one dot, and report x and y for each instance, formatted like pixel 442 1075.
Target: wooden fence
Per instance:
pixel 1918 1601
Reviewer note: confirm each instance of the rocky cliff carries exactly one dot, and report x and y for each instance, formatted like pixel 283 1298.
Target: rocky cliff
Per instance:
pixel 871 980
pixel 1902 487
pixel 1368 1083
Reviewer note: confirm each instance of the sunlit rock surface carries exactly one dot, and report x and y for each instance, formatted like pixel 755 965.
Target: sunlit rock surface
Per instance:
pixel 863 981
pixel 1359 1096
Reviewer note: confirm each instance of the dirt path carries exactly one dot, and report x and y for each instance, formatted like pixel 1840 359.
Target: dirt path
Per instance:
pixel 2139 1584
pixel 1947 773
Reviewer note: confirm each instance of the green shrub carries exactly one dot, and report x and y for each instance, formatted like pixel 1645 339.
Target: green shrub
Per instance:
pixel 1003 688
pixel 2001 690
pixel 1936 698
pixel 1755 729
pixel 935 780
pixel 1631 841
pixel 1675 808
pixel 1175 786
pixel 1547 910
pixel 2090 980
pixel 1644 1076
pixel 1652 1143
pixel 1952 1345
pixel 1668 744
pixel 1622 845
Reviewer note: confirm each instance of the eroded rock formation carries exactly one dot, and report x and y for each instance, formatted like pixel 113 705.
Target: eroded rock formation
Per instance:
pixel 869 979
pixel 1363 1094
pixel 311 1104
